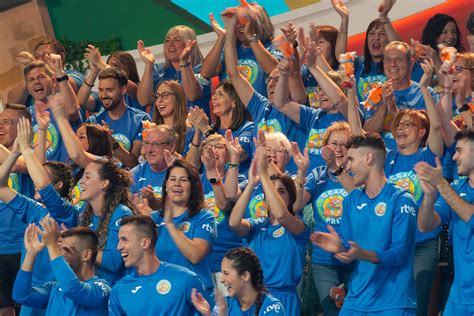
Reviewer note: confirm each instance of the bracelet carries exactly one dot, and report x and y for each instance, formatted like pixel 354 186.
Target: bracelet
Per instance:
pixel 338 171
pixel 209 132
pixel 233 165
pixel 88 84
pixel 299 182
pixel 193 144
pixel 463 108
pixel 63 78
pixel 185 65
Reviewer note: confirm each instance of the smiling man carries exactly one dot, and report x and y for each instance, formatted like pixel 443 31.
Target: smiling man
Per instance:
pixel 382 281
pixel 154 287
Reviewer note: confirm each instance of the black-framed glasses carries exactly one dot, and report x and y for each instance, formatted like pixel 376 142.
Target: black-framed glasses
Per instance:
pixel 164 95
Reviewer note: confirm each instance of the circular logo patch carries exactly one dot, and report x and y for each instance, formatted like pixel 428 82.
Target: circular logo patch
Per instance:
pixel 380 209
pixel 184 226
pixel 163 287
pixel 279 232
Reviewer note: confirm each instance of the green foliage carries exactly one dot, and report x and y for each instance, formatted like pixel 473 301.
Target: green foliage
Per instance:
pixel 75 51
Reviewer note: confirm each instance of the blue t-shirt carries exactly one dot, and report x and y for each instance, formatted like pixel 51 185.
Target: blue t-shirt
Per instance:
pixel 201 225
pixel 310 85
pixel 143 176
pixel 226 239
pixel 12 228
pixel 315 122
pixel 269 119
pixel 65 296
pixel 327 195
pixel 111 268
pixel 161 73
pixel 55 148
pixel 400 170
pixel 245 135
pixel 270 306
pixel 127 128
pixel 281 253
pixel 462 291
pixel 250 68
pixel 30 211
pixel 165 292
pixel 366 81
pixel 385 225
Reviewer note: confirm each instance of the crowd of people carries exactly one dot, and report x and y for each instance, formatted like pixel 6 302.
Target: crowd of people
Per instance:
pixel 163 195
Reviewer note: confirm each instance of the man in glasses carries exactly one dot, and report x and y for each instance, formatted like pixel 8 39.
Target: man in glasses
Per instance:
pixel 124 122
pixel 158 148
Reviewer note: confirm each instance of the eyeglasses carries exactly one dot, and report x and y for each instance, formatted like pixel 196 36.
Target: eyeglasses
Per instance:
pixel 156 145
pixel 6 122
pixel 163 95
pixel 335 144
pixel 276 151
pixel 217 146
pixel 268 79
pixel 405 125
pixel 459 69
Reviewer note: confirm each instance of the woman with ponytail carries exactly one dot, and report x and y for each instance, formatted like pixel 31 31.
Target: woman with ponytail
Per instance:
pixel 243 276
pixel 105 190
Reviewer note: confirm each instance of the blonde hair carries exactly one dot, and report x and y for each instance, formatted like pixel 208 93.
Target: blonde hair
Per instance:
pixel 186 33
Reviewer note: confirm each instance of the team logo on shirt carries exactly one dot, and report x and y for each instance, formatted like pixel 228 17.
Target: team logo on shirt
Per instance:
pixel 184 227
pixel 315 141
pixel 269 126
pixel 258 207
pixel 380 209
pixel 14 181
pixel 279 232
pixel 366 84
pixel 123 141
pixel 409 182
pixel 249 69
pixel 211 205
pixel 312 97
pixel 329 206
pixel 163 287
pixel 157 190
pixel 52 138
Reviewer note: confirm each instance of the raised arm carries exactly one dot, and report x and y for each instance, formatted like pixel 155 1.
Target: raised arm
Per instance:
pixel 145 88
pixel 71 104
pixel 435 138
pixel 6 193
pixel 210 163
pixel 353 116
pixel 302 162
pixel 211 65
pixel 234 151
pixel 343 11
pixel 276 205
pixel 192 88
pixel 392 35
pixel 282 93
pixel 242 86
pixel 92 54
pixel 264 58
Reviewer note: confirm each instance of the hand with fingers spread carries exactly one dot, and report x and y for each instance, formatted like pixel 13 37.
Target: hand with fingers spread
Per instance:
pixel 428 69
pixel 186 53
pixel 340 8
pixel 141 204
pixel 50 233
pixel 32 243
pixel 445 75
pixel 290 32
pixel 233 147
pixel 24 134
pixel 301 160
pixel 199 119
pixel 385 8
pixel 24 58
pixel 200 303
pixel 229 18
pixel 215 26
pixel 330 242
pixel 312 54
pixel 43 118
pixel 329 156
pixel 209 160
pixel 55 63
pixel 431 175
pixel 145 53
pixel 92 54
pixel 170 157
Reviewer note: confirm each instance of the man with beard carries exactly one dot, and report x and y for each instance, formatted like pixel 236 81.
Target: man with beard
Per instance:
pixel 124 122
pixel 378 233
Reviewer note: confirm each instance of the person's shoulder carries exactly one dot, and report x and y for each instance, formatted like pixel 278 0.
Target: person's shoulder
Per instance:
pixel 136 112
pixel 395 192
pixel 459 183
pixel 272 305
pixel 121 211
pixel 182 271
pixel 102 283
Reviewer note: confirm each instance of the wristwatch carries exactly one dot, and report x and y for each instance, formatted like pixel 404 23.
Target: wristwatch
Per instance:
pixel 338 171
pixel 215 181
pixel 63 78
